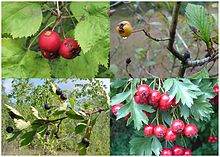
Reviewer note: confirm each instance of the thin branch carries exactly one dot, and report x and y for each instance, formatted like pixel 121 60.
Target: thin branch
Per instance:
pixel 173 26
pixel 149 36
pixel 128 71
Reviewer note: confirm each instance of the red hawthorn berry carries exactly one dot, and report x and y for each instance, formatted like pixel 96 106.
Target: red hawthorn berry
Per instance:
pixel 215 138
pixel 187 152
pixel 149 130
pixel 178 150
pixel 166 152
pixel 69 48
pixel 190 130
pixel 143 87
pixel 177 126
pixel 49 55
pixel 159 131
pixel 170 135
pixel 137 99
pixel 154 98
pixel 49 41
pixel 215 89
pixel 165 102
pixel 116 107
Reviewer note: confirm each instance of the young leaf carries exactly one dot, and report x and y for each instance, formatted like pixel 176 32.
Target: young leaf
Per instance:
pixel 200 21
pixel 140 146
pixel 35 112
pixel 80 128
pixel 21 19
pixel 137 114
pixel 183 89
pixel 27 138
pixel 156 146
pixel 201 109
pixel 15 113
pixel 21 124
pixel 120 97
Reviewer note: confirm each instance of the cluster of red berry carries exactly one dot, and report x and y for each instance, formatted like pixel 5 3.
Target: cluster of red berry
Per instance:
pixel 154 98
pixel 215 99
pixel 176 150
pixel 170 134
pixel 51 47
pixel 212 139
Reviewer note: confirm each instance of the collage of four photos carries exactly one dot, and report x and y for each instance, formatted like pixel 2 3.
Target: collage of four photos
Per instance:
pixel 109 78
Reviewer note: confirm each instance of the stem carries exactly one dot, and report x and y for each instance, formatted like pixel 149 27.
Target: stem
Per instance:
pixel 184 142
pixel 157 116
pixel 61 24
pixel 58 9
pixel 39 34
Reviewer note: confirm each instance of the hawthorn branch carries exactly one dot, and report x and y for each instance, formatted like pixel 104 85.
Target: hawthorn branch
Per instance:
pixel 173 27
pixel 149 36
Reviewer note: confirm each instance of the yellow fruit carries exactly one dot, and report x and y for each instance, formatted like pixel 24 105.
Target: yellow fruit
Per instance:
pixel 124 28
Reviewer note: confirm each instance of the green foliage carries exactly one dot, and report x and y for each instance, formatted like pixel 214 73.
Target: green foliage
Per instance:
pixel 88 23
pixel 201 21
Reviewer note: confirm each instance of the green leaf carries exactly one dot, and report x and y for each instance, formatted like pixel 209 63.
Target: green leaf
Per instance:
pixel 42 130
pixel 63 106
pixel 21 19
pixel 120 97
pixel 201 109
pixel 137 114
pixel 91 30
pixel 12 136
pixel 184 111
pixel 80 128
pixel 74 115
pixel 140 146
pixel 201 74
pixel 17 63
pixel 183 89
pixel 35 112
pixel 200 20
pixel 21 124
pixel 166 117
pixel 117 83
pixel 27 138
pixel 15 113
pixel 156 146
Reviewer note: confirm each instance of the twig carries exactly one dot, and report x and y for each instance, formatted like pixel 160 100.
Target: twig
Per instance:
pixel 173 26
pixel 149 36
pixel 128 71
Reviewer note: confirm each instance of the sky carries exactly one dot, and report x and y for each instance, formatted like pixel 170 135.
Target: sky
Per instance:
pixel 65 86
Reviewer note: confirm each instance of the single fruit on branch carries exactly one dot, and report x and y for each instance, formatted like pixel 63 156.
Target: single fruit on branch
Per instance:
pixel 124 28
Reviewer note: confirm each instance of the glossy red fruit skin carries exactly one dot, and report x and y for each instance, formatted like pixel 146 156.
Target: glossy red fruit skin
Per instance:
pixel 149 129
pixel 49 55
pixel 166 152
pixel 170 135
pixel 154 98
pixel 177 150
pixel 137 99
pixel 215 89
pixel 190 130
pixel 69 48
pixel 177 126
pixel 187 152
pixel 49 41
pixel 116 107
pixel 159 131
pixel 143 87
pixel 164 102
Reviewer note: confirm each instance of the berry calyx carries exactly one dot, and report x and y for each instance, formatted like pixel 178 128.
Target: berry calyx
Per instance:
pixel 49 41
pixel 9 129
pixel 165 102
pixel 187 152
pixel 159 131
pixel 166 152
pixel 69 48
pixel 170 135
pixel 215 89
pixel 178 150
pixel 177 126
pixel 47 106
pixel 124 28
pixel 190 130
pixel 116 107
pixel 154 97
pixel 58 91
pixel 63 97
pixel 149 130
